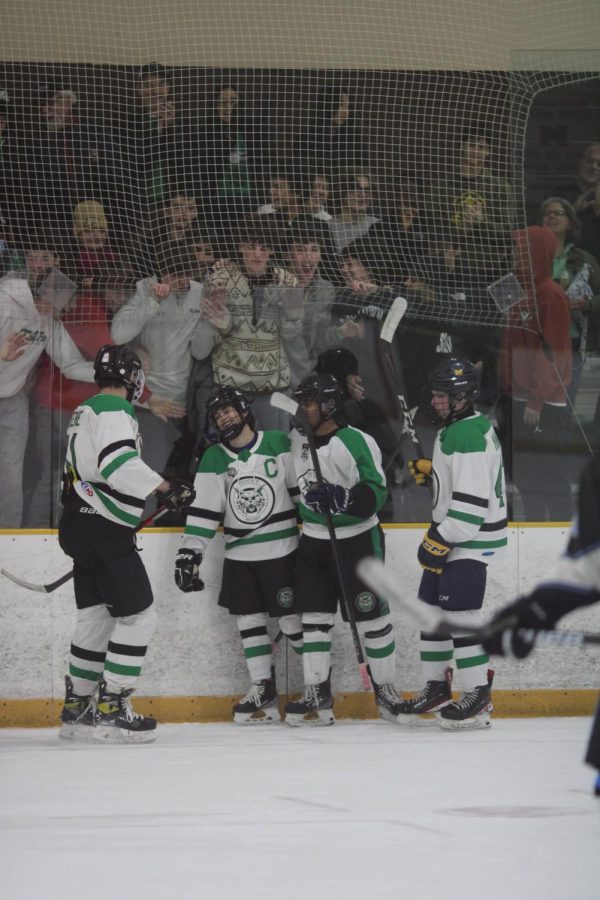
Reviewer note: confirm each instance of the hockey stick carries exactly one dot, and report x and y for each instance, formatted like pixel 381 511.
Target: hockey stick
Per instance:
pixel 388 330
pixel 433 621
pixel 294 409
pixel 53 585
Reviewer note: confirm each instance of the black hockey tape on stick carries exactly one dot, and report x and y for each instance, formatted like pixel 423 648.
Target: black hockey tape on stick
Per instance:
pixel 432 620
pixel 280 401
pixel 53 585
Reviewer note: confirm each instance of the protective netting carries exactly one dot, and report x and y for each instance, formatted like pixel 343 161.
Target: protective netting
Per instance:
pixel 145 140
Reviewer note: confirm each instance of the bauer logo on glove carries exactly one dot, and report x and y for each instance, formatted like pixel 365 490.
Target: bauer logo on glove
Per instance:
pixel 187 565
pixel 433 552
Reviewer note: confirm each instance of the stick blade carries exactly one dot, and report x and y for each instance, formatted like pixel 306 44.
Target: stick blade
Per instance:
pixel 282 401
pixel 393 319
pixel 40 588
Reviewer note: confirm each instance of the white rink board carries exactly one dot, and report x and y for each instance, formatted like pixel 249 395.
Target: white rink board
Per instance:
pixel 196 650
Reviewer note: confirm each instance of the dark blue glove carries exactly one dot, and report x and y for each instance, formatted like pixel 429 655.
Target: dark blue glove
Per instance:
pixel 328 498
pixel 433 551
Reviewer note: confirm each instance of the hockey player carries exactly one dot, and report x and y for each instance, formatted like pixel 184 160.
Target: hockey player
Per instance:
pixel 574 583
pixel 352 492
pixel 468 529
pixel 105 485
pixel 246 480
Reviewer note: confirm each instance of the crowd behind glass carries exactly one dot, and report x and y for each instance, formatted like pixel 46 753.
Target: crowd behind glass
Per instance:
pixel 224 258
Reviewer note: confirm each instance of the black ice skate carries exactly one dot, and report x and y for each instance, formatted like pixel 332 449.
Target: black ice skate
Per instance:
pixel 116 721
pixel 315 707
pixel 434 696
pixel 388 702
pixel 77 716
pixel 472 710
pixel 260 705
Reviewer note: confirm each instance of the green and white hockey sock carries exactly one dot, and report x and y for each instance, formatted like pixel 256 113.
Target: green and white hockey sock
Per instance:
pixel 257 645
pixel 88 648
pixel 471 663
pixel 316 655
pixel 127 649
pixel 380 647
pixel 436 657
pixel 291 626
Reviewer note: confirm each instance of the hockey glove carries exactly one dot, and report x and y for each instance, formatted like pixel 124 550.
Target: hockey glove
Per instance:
pixel 420 469
pixel 513 630
pixel 328 499
pixel 433 551
pixel 187 578
pixel 180 495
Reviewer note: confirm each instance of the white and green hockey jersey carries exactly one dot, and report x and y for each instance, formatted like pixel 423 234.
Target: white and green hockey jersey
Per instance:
pixel 103 459
pixel 469 498
pixel 252 493
pixel 350 457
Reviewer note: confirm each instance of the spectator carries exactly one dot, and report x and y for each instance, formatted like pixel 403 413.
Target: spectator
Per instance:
pixel 65 159
pixel 317 196
pixel 23 311
pixel 174 223
pixel 535 372
pixel 95 259
pixel 284 200
pixel 168 318
pixel 250 346
pixel 225 158
pixel 471 209
pixel 328 138
pixel 578 274
pixel 586 177
pixel 354 219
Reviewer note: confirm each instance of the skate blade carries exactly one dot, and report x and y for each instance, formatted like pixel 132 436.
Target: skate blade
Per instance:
pixel 480 721
pixel 109 734
pixel 76 732
pixel 424 720
pixel 311 719
pixel 259 717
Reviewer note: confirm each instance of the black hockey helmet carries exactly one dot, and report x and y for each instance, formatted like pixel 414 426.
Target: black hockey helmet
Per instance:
pixel 227 395
pixel 459 379
pixel 325 390
pixel 118 364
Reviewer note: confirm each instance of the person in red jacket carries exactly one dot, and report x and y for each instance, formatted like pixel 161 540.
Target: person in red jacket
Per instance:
pixel 535 371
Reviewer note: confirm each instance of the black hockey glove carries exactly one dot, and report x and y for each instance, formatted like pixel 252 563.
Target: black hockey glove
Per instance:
pixel 513 630
pixel 328 498
pixel 180 495
pixel 433 551
pixel 187 564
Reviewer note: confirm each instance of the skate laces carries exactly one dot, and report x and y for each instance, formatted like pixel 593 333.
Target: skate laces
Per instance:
pixel 387 692
pixel 127 708
pixel 469 698
pixel 255 694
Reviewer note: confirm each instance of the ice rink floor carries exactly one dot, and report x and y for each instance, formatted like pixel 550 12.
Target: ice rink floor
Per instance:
pixel 360 810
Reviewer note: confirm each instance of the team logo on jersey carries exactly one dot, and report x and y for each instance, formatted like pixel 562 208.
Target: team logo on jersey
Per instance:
pixel 251 499
pixel 87 488
pixel 285 597
pixel 365 601
pixel 306 481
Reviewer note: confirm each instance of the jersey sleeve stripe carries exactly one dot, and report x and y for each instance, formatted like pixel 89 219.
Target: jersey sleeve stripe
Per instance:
pixel 465 517
pixel 200 532
pixel 200 513
pixel 471 499
pixel 110 448
pixel 117 463
pixel 494 526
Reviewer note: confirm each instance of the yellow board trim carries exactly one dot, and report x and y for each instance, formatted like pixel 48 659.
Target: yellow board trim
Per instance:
pixel 40 713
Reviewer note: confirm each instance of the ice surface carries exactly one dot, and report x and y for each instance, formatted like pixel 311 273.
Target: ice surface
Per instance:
pixel 361 810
